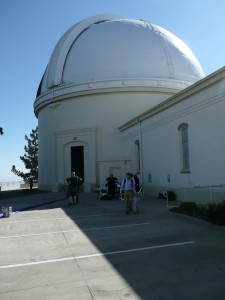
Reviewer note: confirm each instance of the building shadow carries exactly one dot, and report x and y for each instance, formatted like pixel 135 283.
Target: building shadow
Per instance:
pixel 131 244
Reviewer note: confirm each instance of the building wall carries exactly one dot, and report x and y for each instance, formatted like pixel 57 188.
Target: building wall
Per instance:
pixel 91 121
pixel 203 110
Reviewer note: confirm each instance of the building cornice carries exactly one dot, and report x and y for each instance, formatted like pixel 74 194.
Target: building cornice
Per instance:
pixel 190 91
pixel 63 92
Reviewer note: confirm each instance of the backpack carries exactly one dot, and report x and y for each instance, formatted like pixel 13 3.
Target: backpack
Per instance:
pixel 106 197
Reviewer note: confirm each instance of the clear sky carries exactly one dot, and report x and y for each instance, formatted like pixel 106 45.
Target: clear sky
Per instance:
pixel 30 29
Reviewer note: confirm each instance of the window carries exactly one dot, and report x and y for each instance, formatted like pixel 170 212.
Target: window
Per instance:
pixel 138 156
pixel 184 145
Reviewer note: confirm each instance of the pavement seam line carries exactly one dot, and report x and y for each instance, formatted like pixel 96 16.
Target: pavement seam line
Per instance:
pixel 74 257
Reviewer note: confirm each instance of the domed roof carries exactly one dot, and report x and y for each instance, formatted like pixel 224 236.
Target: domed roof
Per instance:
pixel 105 51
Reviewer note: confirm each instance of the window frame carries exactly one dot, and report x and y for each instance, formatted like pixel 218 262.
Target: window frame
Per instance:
pixel 138 156
pixel 184 148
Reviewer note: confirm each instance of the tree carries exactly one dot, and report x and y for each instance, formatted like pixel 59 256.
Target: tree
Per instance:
pixel 1 131
pixel 30 158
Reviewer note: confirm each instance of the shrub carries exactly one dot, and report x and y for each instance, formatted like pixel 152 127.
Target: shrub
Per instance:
pixel 213 212
pixel 188 208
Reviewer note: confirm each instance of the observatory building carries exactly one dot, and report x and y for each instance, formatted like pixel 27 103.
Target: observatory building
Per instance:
pixel 111 100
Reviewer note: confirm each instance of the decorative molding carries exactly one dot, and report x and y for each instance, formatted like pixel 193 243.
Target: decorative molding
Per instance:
pixel 189 92
pixel 74 90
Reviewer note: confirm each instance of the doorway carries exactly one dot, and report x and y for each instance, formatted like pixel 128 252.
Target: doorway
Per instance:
pixel 77 160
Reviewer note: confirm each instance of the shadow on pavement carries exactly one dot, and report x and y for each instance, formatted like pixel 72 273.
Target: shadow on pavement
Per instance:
pixel 138 247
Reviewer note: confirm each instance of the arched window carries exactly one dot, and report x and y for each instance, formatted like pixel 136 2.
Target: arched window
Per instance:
pixel 184 148
pixel 138 156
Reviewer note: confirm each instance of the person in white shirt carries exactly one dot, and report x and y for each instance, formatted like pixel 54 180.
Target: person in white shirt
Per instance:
pixel 128 188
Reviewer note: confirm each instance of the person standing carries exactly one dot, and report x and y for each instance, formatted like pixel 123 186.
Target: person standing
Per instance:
pixel 128 188
pixel 137 183
pixel 31 182
pixel 73 189
pixel 111 182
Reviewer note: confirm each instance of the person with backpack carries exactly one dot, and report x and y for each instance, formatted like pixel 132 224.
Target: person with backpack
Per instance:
pixel 73 189
pixel 128 188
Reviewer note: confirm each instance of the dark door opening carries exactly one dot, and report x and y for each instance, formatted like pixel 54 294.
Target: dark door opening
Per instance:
pixel 77 160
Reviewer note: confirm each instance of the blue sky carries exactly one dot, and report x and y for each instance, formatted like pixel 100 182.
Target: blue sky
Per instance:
pixel 30 29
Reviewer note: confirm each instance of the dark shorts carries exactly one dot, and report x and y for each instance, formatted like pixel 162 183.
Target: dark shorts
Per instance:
pixel 72 191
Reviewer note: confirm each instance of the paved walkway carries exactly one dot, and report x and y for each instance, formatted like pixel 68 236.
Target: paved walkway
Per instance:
pixel 92 250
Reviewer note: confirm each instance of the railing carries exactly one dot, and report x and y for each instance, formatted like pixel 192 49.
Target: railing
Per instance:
pixel 11 182
pixel 212 192
pixel 10 185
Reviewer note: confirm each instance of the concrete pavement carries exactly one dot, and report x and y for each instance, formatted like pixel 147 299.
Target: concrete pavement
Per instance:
pixel 92 250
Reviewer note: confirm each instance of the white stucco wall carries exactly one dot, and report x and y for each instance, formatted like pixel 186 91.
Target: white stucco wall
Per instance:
pixel 91 121
pixel 202 108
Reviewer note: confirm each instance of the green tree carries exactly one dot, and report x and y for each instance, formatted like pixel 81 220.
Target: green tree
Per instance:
pixel 30 158
pixel 1 131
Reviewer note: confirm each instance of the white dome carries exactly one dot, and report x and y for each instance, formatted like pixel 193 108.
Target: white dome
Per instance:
pixel 106 51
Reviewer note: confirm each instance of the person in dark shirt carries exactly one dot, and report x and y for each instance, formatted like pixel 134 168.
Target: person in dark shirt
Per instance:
pixel 137 183
pixel 73 189
pixel 111 183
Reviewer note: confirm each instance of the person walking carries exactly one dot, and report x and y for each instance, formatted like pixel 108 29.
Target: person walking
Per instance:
pixel 137 183
pixel 73 189
pixel 128 188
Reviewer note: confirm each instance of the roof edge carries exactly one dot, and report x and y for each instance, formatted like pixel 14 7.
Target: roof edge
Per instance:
pixel 180 96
